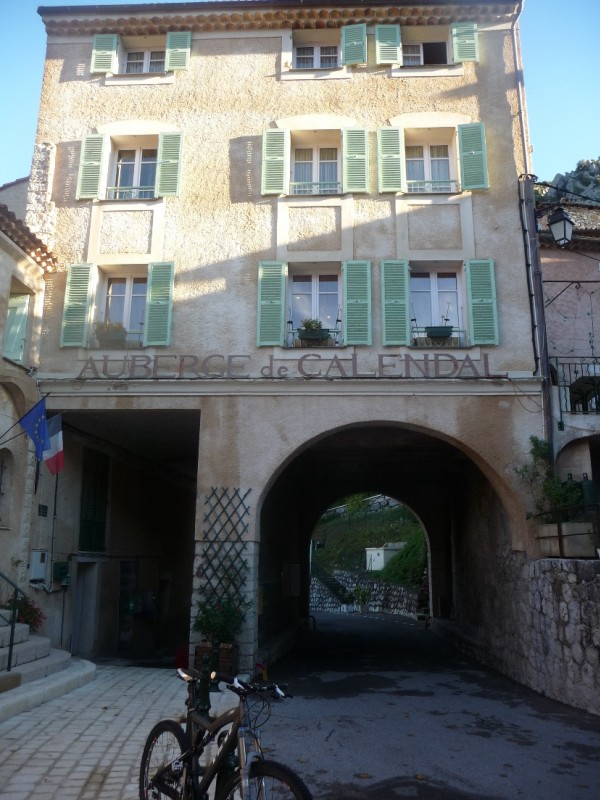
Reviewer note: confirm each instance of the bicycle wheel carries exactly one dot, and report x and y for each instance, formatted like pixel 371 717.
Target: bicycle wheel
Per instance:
pixel 161 770
pixel 268 781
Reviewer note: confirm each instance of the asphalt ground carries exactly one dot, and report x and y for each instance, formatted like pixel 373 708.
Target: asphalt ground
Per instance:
pixel 382 709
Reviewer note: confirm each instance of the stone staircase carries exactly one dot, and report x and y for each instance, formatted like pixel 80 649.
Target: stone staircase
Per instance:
pixel 38 672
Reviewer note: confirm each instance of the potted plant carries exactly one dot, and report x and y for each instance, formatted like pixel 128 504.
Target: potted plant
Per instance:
pixel 565 529
pixel 312 330
pixel 219 619
pixel 439 331
pixel 110 334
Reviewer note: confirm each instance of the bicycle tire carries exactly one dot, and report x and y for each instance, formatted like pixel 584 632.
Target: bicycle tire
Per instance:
pixel 166 741
pixel 269 780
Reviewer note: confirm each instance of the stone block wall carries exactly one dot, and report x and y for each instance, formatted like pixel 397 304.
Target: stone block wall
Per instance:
pixel 383 597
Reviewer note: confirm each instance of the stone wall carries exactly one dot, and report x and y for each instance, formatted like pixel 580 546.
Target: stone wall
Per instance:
pixel 564 653
pixel 383 597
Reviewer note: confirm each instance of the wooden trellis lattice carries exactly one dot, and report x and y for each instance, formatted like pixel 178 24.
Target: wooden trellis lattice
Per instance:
pixel 223 566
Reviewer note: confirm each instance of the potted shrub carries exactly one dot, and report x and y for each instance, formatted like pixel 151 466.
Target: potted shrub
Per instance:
pixel 219 619
pixel 110 334
pixel 565 529
pixel 312 330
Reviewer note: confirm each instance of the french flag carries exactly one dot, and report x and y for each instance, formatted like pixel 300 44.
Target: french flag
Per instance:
pixel 54 456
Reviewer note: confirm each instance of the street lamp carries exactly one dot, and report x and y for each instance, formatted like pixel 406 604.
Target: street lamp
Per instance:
pixel 561 227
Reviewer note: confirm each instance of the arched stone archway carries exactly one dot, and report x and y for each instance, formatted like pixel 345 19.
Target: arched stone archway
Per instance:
pixel 467 523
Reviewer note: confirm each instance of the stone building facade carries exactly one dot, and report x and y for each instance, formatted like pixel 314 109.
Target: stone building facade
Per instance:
pixel 218 174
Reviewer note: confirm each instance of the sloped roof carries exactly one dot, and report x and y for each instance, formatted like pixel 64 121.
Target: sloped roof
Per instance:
pixel 225 15
pixel 16 230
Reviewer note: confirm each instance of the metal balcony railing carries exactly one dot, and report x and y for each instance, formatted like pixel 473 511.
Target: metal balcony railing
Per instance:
pixel 130 193
pixel 315 187
pixel 578 381
pixel 432 187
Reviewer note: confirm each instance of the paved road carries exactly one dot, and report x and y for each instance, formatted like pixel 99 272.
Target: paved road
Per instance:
pixel 382 710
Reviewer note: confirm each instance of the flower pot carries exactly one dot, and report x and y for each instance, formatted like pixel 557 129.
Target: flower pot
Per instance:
pixel 112 340
pixel 439 331
pixel 228 657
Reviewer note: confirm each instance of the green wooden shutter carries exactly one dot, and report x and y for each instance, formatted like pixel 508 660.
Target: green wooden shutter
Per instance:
pixel 169 165
pixel 481 294
pixel 395 297
pixel 271 303
pixel 357 301
pixel 104 52
pixel 15 331
pixel 473 156
pixel 355 146
pixel 79 296
pixel 90 167
pixel 275 161
pixel 388 49
pixel 354 44
pixel 159 304
pixel 465 45
pixel 390 154
pixel 177 54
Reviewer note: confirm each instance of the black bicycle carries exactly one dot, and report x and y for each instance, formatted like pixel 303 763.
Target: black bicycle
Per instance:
pixel 182 764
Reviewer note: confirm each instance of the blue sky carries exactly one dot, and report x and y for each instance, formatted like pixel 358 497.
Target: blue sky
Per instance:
pixel 558 40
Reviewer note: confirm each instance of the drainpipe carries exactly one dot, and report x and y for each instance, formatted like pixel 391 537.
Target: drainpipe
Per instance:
pixel 534 265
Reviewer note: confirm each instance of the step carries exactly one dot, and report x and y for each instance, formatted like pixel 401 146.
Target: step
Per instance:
pixel 34 648
pixel 21 634
pixel 76 672
pixel 54 662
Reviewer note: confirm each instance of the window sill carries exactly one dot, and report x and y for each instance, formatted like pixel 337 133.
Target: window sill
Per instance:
pixel 139 79
pixel 433 71
pixel 291 74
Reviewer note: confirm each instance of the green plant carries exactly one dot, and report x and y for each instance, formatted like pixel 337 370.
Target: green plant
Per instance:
pixel 108 328
pixel 361 595
pixel 552 498
pixel 28 612
pixel 407 568
pixel 309 324
pixel 220 618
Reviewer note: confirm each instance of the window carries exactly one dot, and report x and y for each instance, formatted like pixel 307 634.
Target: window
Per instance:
pixel 94 500
pixel 140 61
pixel 315 56
pixel 130 55
pixel 337 295
pixel 430 160
pixel 129 168
pixel 424 53
pixel 434 299
pixel 428 168
pixel 426 294
pixel 125 302
pixel 314 161
pixel 315 169
pixel 15 331
pixel 315 296
pixel 138 297
pixel 135 175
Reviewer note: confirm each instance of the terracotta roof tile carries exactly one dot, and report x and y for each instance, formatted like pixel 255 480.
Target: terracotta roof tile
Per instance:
pixel 16 230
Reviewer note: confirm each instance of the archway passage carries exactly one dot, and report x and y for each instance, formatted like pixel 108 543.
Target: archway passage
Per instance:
pixel 464 519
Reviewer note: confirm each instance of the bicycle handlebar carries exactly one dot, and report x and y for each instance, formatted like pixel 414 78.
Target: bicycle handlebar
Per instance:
pixel 241 687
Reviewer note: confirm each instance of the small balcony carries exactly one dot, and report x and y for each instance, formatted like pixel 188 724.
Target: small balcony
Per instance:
pixel 130 193
pixel 578 381
pixel 432 187
pixel 315 187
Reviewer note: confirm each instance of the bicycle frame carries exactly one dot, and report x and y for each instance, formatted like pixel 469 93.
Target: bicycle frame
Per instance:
pixel 202 732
